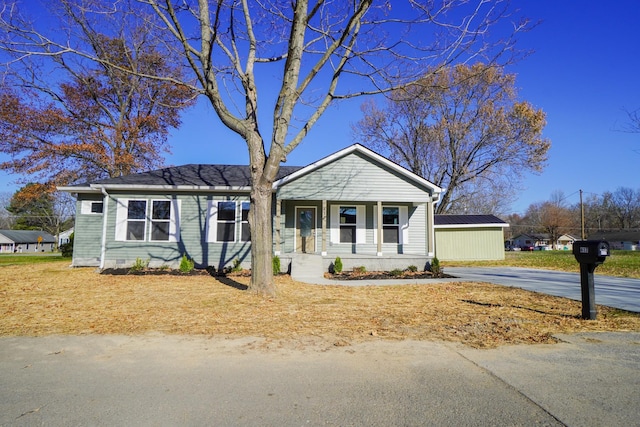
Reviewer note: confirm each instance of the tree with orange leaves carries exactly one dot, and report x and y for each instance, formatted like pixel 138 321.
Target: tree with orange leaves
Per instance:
pixel 87 120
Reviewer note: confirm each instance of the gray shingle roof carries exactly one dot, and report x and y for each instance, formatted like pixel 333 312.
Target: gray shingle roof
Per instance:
pixel 195 175
pixel 28 236
pixel 467 219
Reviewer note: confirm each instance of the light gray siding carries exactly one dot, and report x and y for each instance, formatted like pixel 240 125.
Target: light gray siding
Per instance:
pixel 353 177
pixel 88 233
pixel 192 242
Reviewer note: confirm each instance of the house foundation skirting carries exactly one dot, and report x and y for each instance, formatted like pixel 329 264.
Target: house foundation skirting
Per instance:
pixel 369 262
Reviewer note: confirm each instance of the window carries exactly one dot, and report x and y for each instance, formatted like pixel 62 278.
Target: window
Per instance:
pixel 136 219
pixel 348 221
pixel 96 207
pixel 226 222
pixel 244 224
pixel 148 220
pixel 89 207
pixel 395 225
pixel 390 222
pixel 160 219
pixel 348 224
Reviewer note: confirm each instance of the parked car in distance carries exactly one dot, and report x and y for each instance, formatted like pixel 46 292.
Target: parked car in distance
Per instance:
pixel 542 248
pixel 528 248
pixel 511 248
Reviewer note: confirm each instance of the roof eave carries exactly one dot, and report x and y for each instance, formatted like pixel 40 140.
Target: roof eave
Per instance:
pixel 485 225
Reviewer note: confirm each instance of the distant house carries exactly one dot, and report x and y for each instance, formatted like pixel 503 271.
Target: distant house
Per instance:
pixel 12 241
pixel 628 240
pixel 565 242
pixel 65 236
pixel 543 240
pixel 530 240
pixel 469 237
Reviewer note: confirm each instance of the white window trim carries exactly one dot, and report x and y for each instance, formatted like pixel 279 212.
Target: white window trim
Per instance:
pixel 174 220
pixel 241 222
pixel 122 208
pixel 403 233
pixel 212 221
pixel 361 230
pixel 85 207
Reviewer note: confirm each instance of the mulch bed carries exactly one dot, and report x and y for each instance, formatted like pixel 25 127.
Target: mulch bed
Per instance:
pixel 384 275
pixel 152 272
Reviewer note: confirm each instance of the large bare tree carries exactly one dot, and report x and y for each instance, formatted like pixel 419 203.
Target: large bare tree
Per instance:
pixel 462 128
pixel 296 58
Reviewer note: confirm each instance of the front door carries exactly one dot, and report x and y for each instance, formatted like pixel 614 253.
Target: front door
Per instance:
pixel 305 230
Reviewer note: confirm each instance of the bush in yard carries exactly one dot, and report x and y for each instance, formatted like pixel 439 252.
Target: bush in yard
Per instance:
pixel 337 265
pixel 186 264
pixel 139 265
pixel 435 267
pixel 275 261
pixel 67 248
pixel 396 272
pixel 412 268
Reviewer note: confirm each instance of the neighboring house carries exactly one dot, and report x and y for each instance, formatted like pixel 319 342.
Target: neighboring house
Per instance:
pixel 628 240
pixel 469 237
pixel 354 204
pixel 533 240
pixel 565 242
pixel 65 237
pixel 21 241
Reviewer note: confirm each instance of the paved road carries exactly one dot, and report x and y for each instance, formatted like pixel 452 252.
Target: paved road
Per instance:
pixel 611 291
pixel 586 380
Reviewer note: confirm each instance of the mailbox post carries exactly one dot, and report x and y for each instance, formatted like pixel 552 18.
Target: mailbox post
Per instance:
pixel 590 254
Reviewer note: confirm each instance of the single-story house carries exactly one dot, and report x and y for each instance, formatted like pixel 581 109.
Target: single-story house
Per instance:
pixel 628 240
pixel 530 240
pixel 12 241
pixel 65 237
pixel 355 204
pixel 565 242
pixel 469 237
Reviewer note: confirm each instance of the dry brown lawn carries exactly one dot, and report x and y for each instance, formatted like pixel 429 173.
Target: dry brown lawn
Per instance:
pixel 51 298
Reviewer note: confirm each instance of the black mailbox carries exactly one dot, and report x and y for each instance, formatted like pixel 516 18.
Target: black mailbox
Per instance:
pixel 590 254
pixel 590 251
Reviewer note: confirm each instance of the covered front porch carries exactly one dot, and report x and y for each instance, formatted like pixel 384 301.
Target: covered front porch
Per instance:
pixel 378 235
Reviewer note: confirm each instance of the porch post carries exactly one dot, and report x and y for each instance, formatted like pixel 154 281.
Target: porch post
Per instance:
pixel 379 230
pixel 324 227
pixel 431 234
pixel 277 224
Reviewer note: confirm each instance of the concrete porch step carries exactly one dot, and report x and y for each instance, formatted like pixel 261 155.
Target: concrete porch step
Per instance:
pixel 306 265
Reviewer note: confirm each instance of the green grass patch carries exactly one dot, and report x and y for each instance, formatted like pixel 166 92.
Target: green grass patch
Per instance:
pixel 25 259
pixel 620 263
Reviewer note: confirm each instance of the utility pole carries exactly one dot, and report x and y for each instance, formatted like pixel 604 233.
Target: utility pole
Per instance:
pixel 581 216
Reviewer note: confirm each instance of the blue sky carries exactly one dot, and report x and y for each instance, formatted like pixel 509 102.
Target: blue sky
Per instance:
pixel 583 74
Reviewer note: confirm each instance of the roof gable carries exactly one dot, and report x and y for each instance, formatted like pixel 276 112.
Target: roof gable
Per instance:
pixel 366 153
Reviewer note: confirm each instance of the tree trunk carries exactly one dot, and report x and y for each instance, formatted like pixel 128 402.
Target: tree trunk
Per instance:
pixel 261 240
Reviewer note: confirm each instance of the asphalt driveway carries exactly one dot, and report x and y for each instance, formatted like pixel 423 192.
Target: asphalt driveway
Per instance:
pixel 618 292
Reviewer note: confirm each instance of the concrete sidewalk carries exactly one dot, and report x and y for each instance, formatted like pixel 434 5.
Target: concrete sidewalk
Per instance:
pixel 588 379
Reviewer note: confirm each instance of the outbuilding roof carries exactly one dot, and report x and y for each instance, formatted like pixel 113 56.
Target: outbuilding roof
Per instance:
pixel 28 236
pixel 451 221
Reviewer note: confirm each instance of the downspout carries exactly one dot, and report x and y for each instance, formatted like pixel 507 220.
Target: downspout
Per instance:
pixel 105 211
